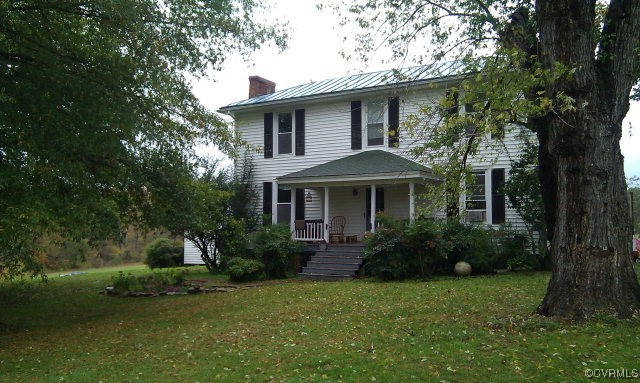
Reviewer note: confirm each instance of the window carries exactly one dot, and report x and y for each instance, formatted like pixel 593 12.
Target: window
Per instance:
pixel 476 200
pixel 485 199
pixel 284 133
pixel 284 204
pixel 375 123
pixel 471 126
pixel 451 96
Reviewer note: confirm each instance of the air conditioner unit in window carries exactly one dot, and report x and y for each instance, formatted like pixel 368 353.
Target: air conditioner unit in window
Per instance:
pixel 476 216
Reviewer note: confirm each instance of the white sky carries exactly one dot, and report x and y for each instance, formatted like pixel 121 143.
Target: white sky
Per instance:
pixel 313 55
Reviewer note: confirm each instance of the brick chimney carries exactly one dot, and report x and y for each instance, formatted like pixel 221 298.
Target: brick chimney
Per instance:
pixel 259 86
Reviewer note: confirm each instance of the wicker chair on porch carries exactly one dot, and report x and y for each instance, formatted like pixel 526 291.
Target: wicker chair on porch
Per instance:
pixel 336 229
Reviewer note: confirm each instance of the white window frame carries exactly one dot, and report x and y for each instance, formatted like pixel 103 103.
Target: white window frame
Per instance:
pixel 365 118
pixel 487 200
pixel 276 136
pixel 279 205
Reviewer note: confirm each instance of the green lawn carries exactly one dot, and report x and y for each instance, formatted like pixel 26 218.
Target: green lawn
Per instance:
pixel 477 329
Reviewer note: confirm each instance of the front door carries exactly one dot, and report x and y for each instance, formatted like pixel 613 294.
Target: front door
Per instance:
pixel 379 205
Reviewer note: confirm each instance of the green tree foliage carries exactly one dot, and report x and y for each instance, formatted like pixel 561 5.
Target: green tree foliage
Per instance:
pixel 214 210
pixel 276 249
pixel 563 69
pixel 97 115
pixel 245 270
pixel 162 253
pixel 522 188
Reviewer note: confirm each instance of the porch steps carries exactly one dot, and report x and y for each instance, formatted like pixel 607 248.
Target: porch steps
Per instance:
pixel 338 262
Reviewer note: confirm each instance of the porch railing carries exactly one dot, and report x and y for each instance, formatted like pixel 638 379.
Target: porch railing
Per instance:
pixel 313 231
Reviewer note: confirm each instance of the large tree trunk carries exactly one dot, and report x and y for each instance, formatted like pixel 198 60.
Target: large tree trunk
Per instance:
pixel 591 266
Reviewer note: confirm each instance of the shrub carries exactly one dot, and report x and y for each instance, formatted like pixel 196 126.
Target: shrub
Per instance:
pixel 163 252
pixel 156 282
pixel 514 248
pixel 277 250
pixel 398 250
pixel 245 270
pixel 482 251
pixel 123 283
pixel 384 255
pixel 473 244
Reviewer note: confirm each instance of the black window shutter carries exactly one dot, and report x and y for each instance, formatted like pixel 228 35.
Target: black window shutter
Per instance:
pixel 300 204
pixel 267 198
pixel 299 132
pixel 356 125
pixel 394 121
pixel 268 135
pixel 497 196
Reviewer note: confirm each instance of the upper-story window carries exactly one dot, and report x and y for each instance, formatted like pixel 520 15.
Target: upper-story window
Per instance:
pixel 375 123
pixel 285 133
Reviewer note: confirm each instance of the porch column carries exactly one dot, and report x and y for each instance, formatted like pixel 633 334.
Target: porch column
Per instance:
pixel 412 202
pixel 373 208
pixel 326 214
pixel 274 202
pixel 292 219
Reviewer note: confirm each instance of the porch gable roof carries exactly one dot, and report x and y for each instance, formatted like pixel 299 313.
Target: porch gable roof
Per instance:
pixel 368 164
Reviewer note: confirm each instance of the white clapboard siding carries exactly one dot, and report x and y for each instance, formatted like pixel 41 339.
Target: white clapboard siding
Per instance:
pixel 328 137
pixel 191 254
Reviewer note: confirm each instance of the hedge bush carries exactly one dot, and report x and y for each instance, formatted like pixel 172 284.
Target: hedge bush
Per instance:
pixel 399 250
pixel 277 250
pixel 164 252
pixel 245 270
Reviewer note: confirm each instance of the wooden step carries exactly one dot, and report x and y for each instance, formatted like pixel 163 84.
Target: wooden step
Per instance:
pixel 339 262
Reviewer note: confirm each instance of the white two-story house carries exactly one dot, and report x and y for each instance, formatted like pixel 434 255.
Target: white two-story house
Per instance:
pixel 334 148
pixel 333 151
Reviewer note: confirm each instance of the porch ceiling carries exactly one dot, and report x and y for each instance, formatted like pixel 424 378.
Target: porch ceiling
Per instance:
pixel 362 167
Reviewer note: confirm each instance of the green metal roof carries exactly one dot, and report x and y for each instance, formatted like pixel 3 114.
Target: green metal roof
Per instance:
pixel 364 163
pixel 357 82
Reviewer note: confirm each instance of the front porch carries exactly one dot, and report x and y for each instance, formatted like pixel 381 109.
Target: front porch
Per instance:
pixel 337 202
pixel 343 214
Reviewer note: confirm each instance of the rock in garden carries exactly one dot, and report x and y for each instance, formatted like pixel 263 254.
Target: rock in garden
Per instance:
pixel 462 269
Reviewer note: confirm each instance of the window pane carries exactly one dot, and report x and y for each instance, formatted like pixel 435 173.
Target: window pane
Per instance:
pixel 284 213
pixel 284 123
pixel 284 195
pixel 375 113
pixel 284 143
pixel 374 134
pixel 375 123
pixel 284 133
pixel 477 188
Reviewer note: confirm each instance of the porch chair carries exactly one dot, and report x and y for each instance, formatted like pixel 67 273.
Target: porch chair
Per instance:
pixel 300 224
pixel 336 229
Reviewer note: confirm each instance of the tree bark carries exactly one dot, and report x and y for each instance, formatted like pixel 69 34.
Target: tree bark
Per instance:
pixel 591 234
